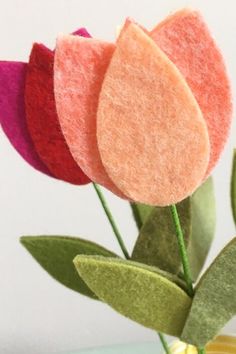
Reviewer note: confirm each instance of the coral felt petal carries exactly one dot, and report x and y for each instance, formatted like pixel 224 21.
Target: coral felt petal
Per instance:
pixel 186 40
pixel 79 68
pixel 43 121
pixel 12 112
pixel 151 134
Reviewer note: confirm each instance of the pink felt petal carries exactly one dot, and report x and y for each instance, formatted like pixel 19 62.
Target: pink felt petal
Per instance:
pixel 151 134
pixel 186 40
pixel 12 112
pixel 43 121
pixel 82 32
pixel 79 68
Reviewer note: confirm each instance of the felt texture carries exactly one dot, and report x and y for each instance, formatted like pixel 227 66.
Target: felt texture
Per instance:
pixel 56 253
pixel 157 243
pixel 203 220
pixel 233 187
pixel 43 121
pixel 148 115
pixel 136 292
pixel 186 40
pixel 12 112
pixel 79 68
pixel 140 213
pixel 214 300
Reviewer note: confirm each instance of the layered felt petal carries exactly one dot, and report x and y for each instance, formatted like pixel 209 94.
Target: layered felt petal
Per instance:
pixel 12 112
pixel 151 135
pixel 186 40
pixel 79 68
pixel 42 118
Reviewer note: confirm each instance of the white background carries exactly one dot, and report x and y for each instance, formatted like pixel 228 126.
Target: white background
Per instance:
pixel 37 314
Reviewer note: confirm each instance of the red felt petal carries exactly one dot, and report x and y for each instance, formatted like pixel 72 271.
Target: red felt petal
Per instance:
pixel 43 121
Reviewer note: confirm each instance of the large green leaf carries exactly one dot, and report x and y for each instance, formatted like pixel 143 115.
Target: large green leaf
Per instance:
pixel 56 253
pixel 214 303
pixel 140 213
pixel 137 292
pixel 157 244
pixel 233 186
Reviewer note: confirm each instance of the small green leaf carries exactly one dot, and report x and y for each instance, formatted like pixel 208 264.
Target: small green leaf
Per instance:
pixel 56 253
pixel 233 186
pixel 157 244
pixel 140 213
pixel 214 302
pixel 137 292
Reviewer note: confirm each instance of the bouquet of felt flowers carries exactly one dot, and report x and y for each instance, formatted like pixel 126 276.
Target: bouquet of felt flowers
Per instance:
pixel 146 117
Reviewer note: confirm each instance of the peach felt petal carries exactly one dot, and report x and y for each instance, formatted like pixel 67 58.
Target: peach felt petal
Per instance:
pixel 79 68
pixel 186 40
pixel 151 134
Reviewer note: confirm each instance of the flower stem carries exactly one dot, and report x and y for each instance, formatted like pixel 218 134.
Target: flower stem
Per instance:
pixel 165 344
pixel 182 250
pixel 122 245
pixel 184 258
pixel 111 220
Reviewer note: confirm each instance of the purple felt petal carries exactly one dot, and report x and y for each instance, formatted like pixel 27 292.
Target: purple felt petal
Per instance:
pixel 12 112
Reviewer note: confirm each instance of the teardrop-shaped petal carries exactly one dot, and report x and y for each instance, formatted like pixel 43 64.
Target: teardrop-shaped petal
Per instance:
pixel 79 68
pixel 151 134
pixel 12 112
pixel 42 119
pixel 186 40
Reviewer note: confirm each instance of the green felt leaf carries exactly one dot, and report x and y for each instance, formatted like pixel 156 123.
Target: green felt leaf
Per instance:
pixel 203 218
pixel 233 186
pixel 157 244
pixel 137 292
pixel 56 253
pixel 214 303
pixel 140 213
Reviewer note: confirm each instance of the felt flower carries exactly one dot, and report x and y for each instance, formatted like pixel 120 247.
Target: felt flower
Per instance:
pixel 146 117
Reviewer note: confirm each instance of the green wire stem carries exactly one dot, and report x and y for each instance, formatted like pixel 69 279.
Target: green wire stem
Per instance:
pixel 122 245
pixel 184 258
pixel 182 250
pixel 165 344
pixel 201 350
pixel 111 220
